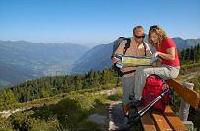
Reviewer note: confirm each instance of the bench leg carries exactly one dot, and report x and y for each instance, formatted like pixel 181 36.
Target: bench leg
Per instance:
pixel 184 107
pixel 189 125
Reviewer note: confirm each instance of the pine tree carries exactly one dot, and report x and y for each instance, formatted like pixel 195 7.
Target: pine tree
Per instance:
pixel 182 56
pixel 191 55
pixel 77 82
pixel 7 99
pixel 187 55
pixel 198 53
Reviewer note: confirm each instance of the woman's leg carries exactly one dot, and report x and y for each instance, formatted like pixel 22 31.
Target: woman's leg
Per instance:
pixel 142 73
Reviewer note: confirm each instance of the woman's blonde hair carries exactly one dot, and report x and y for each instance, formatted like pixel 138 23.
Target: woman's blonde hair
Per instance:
pixel 160 32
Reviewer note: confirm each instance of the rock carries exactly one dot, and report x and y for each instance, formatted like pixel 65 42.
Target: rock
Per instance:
pixel 96 118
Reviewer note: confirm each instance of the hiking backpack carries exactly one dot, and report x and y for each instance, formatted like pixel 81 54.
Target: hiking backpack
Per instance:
pixel 153 88
pixel 119 41
pixel 126 41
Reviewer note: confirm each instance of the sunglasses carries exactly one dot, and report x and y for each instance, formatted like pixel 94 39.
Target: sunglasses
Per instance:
pixel 139 37
pixel 154 27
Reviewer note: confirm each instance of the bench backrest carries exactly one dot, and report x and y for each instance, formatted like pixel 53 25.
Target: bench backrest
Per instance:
pixel 189 96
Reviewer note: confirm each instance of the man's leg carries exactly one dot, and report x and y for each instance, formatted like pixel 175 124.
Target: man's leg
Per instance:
pixel 127 88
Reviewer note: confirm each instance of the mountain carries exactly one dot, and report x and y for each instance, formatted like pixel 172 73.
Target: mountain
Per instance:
pixel 182 44
pixel 98 57
pixel 21 60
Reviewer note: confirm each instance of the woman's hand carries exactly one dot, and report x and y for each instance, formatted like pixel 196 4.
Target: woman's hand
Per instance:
pixel 169 55
pixel 157 53
pixel 154 58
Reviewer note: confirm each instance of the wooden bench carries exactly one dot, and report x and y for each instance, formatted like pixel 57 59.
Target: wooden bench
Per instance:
pixel 169 121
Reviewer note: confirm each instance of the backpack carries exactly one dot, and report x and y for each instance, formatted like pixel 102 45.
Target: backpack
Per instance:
pixel 116 44
pixel 119 41
pixel 153 88
pixel 126 41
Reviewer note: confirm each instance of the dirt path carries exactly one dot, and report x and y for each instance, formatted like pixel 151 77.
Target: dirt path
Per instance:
pixel 7 113
pixel 115 115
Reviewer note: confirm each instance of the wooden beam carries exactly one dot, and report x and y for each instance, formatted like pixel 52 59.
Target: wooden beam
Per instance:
pixel 174 120
pixel 190 96
pixel 160 122
pixel 148 123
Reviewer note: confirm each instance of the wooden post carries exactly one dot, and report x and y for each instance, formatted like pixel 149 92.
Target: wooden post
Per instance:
pixel 184 106
pixel 184 109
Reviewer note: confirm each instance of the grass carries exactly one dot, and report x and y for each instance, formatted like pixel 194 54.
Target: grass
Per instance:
pixel 61 112
pixel 117 96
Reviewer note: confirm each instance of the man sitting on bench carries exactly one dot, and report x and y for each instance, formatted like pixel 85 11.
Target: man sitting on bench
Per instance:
pixel 136 48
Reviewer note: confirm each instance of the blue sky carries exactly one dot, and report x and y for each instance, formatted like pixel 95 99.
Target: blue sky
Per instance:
pixel 92 22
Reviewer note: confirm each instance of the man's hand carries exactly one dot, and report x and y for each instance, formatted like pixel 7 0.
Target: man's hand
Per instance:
pixel 115 60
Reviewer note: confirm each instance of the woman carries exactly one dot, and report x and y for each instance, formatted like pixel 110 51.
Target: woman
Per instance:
pixel 166 51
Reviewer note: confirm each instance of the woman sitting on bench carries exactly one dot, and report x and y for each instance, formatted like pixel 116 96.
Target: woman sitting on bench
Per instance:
pixel 166 51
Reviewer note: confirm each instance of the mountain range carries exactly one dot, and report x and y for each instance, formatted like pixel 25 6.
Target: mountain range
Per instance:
pixel 21 60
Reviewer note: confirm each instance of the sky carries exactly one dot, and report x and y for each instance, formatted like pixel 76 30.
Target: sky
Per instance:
pixel 92 22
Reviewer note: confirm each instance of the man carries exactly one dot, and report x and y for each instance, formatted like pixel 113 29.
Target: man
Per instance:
pixel 137 48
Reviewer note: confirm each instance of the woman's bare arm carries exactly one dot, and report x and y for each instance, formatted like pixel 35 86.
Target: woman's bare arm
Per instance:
pixel 170 55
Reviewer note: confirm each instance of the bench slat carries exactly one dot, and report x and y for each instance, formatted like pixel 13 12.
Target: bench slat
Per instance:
pixel 160 122
pixel 147 123
pixel 190 96
pixel 174 120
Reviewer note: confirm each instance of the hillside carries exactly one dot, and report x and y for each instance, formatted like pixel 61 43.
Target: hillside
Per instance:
pixel 73 100
pixel 76 107
pixel 62 103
